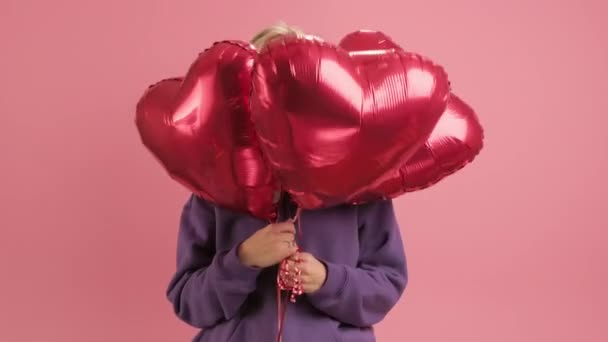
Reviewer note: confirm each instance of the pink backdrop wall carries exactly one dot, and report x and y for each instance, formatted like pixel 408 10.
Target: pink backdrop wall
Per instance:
pixel 512 248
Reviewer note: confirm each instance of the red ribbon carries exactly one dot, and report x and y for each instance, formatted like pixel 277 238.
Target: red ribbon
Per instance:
pixel 288 281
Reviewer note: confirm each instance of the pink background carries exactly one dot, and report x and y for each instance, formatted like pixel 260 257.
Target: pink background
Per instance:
pixel 512 248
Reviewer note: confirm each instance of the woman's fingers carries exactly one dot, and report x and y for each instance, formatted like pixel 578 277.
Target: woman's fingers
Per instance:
pixel 284 227
pixel 285 242
pixel 305 257
pixel 284 250
pixel 289 237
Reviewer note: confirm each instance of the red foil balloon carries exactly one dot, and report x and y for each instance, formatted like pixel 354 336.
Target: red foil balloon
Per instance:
pixel 366 41
pixel 455 141
pixel 200 129
pixel 336 125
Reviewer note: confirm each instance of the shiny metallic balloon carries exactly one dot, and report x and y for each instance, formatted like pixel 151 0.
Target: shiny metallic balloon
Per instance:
pixel 200 129
pixel 365 41
pixel 454 142
pixel 336 125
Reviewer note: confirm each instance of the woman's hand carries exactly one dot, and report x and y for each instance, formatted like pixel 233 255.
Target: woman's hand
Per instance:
pixel 269 245
pixel 313 272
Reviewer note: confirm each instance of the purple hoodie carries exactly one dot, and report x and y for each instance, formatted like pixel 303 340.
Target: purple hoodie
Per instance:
pixel 360 245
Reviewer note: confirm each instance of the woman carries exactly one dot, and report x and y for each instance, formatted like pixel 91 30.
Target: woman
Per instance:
pixel 353 268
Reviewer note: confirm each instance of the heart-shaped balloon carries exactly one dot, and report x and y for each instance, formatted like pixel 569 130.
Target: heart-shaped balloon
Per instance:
pixel 200 129
pixel 335 126
pixel 367 41
pixel 455 141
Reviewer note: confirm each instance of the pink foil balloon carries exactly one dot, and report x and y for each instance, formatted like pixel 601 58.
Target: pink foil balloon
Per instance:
pixel 335 126
pixel 200 129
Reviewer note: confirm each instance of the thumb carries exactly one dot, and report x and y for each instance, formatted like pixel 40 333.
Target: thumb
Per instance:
pixel 289 249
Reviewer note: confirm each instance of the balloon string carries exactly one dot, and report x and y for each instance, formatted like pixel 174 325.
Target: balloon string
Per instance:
pixel 281 311
pixel 297 218
pixel 293 284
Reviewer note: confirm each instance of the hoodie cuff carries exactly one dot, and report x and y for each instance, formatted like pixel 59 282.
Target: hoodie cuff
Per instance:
pixel 231 268
pixel 337 278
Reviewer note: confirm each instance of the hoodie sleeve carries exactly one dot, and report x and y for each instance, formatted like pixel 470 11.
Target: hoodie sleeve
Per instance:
pixel 209 286
pixel 363 295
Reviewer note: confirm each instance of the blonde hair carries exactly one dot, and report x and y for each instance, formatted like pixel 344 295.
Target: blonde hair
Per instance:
pixel 275 31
